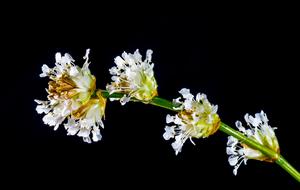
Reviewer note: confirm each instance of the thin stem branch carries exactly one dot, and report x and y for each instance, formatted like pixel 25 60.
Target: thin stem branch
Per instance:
pixel 253 144
pixel 288 167
pixel 160 102
pixel 268 152
pixel 157 101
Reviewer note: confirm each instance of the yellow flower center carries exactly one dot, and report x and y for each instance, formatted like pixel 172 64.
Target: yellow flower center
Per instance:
pixel 200 128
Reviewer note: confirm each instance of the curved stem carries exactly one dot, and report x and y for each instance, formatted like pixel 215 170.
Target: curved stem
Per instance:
pixel 160 102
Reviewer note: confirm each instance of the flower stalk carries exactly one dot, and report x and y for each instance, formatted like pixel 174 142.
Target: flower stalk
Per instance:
pixel 73 96
pixel 280 160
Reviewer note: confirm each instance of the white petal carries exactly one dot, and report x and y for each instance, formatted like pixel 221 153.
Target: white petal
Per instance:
pixel 86 57
pixel 233 160
pixel 200 96
pixel 184 91
pixel 128 58
pixel 251 120
pixel 74 71
pixel 263 117
pixel 67 58
pixel 119 62
pixel 246 117
pixel 177 120
pixel 249 132
pixel 73 130
pixel 96 135
pixel 251 153
pixel 149 55
pixel 188 104
pixel 52 119
pixel 169 119
pixel 169 132
pixel 230 151
pixel 71 123
pixel 42 109
pixel 56 127
pixel 45 70
pixel 239 125
pixel 113 71
pixel 115 79
pixel 232 141
pixel 114 99
pixel 72 127
pixel 137 56
pixel 58 57
pixel 255 121
pixel 241 151
pixel 84 132
pixel 124 100
pixel 177 146
pixel 49 120
pixel 166 136
pixel 235 170
pixel 214 109
pixel 186 94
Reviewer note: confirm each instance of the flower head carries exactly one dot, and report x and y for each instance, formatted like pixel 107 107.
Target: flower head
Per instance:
pixel 133 77
pixel 259 131
pixel 72 94
pixel 87 119
pixel 197 118
pixel 68 81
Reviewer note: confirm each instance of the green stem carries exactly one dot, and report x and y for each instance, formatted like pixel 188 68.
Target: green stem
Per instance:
pixel 288 167
pixel 232 132
pixel 268 152
pixel 106 94
pixel 160 102
pixel 157 101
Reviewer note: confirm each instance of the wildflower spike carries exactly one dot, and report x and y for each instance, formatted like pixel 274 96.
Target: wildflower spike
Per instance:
pixel 72 95
pixel 133 77
pixel 197 118
pixel 259 131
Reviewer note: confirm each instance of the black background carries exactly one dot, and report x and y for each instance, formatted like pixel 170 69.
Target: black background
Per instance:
pixel 244 62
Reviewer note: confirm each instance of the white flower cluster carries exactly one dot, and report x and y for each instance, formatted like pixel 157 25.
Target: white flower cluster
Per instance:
pixel 72 95
pixel 133 77
pixel 260 131
pixel 197 118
